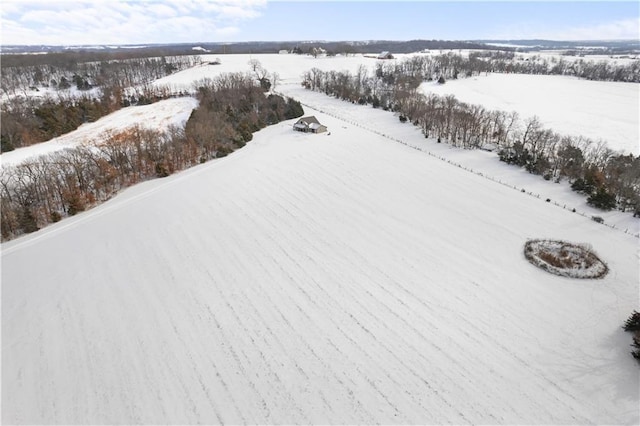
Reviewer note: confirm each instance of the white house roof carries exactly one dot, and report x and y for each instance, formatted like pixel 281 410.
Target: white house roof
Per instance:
pixel 308 120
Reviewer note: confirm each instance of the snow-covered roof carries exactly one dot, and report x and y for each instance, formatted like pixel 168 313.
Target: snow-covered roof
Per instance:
pixel 308 120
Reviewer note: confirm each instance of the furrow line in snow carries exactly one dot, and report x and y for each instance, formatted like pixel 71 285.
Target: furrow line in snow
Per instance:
pixel 356 299
pixel 222 376
pixel 378 344
pixel 287 294
pixel 248 359
pixel 256 284
pixel 335 304
pixel 211 359
pixel 392 311
pixel 196 373
pixel 291 279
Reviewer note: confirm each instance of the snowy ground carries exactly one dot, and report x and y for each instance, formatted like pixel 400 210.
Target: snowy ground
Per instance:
pixel 476 161
pixel 160 116
pixel 327 279
pixel 595 109
pixel 598 110
pixel 52 93
pixel 348 277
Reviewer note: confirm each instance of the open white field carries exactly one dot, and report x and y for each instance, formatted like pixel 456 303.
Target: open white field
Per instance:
pixel 338 278
pixel 595 109
pixel 342 278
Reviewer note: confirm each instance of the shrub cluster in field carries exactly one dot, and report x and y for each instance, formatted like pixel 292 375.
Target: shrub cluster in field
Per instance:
pixel 633 325
pixel 565 259
pixel 609 179
pixel 44 190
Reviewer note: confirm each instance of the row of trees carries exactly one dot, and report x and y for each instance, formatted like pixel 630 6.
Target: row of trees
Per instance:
pixel 27 121
pixel 62 72
pixel 45 190
pixel 453 66
pixel 609 179
pixel 583 68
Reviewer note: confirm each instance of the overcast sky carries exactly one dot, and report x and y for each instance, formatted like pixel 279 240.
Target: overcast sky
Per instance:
pixel 82 22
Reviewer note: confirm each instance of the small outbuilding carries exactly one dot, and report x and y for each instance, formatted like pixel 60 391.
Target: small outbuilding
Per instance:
pixel 385 55
pixel 309 124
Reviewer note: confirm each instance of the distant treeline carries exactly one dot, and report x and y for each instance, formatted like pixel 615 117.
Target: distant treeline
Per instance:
pixel 507 62
pixel 60 71
pixel 101 53
pixel 609 179
pixel 69 58
pixel 46 189
pixel 453 66
pixel 105 53
pixel 587 47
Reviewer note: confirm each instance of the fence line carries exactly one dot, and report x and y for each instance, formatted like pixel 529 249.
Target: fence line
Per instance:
pixel 468 169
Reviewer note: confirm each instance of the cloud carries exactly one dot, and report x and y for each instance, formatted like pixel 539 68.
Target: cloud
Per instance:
pixel 124 21
pixel 227 31
pixel 624 29
pixel 163 10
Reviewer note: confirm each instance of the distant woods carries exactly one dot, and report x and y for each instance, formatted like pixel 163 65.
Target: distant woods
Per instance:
pixel 46 189
pixel 99 90
pixel 609 179
pixel 86 69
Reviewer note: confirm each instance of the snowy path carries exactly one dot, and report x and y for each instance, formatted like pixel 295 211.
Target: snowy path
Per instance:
pixel 315 279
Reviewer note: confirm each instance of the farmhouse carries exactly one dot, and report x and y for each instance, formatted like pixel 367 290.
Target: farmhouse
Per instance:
pixel 309 124
pixel 385 55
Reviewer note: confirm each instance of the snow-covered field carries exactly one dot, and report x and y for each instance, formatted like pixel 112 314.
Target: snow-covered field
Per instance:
pixel 51 93
pixel 598 110
pixel 160 116
pixel 608 111
pixel 477 161
pixel 333 278
pixel 595 109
